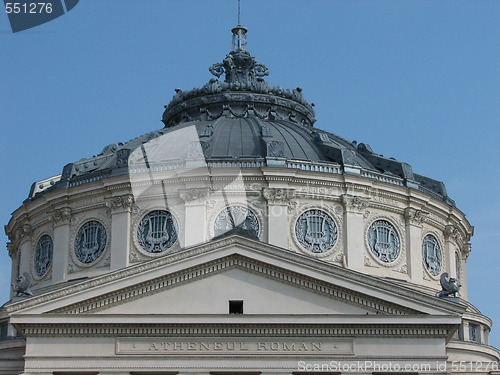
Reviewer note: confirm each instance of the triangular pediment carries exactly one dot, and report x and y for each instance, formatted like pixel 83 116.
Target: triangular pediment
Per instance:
pixel 202 279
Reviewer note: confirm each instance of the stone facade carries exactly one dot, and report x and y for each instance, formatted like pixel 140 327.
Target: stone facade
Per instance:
pixel 163 256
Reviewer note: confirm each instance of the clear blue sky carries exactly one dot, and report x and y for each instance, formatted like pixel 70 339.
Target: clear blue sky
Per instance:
pixel 418 80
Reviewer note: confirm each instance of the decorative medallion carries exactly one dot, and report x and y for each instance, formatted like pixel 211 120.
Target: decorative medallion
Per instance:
pixel 90 242
pixel 316 231
pixel 383 241
pixel 43 255
pixel 157 231
pixel 432 255
pixel 237 218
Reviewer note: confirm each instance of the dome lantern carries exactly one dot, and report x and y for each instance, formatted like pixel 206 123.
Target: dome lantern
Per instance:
pixel 239 38
pixel 243 91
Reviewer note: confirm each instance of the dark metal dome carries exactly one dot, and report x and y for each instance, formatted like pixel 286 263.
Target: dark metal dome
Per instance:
pixel 245 122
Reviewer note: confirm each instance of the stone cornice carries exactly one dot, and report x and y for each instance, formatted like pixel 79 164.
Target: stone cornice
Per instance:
pixel 350 276
pixel 296 329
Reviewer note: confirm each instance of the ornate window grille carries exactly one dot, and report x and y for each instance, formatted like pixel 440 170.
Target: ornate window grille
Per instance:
pixel 383 240
pixel 43 255
pixel 90 242
pixel 237 218
pixel 432 255
pixel 316 231
pixel 157 231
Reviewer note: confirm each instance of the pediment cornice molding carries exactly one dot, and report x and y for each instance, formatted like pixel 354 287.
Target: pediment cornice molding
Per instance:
pixel 236 260
pixel 241 262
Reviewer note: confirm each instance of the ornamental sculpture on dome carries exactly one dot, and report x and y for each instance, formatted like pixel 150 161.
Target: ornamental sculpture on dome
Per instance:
pixel 242 90
pixel 239 66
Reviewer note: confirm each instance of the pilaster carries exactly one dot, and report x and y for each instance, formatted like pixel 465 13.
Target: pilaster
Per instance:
pixel 120 208
pixel 414 218
pixel 466 330
pixel 451 233
pixel 354 246
pixel 195 215
pixel 454 245
pixel 277 214
pixel 23 238
pixel 61 220
pixel 11 247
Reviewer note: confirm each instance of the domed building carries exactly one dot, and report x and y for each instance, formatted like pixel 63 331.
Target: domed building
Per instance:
pixel 240 239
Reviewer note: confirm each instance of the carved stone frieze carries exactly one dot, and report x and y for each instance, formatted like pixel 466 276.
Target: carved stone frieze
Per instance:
pixel 415 216
pixel 60 216
pixel 194 195
pixel 278 196
pixel 354 203
pixel 120 203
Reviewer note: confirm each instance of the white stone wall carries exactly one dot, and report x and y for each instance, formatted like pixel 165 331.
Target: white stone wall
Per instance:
pixel 277 197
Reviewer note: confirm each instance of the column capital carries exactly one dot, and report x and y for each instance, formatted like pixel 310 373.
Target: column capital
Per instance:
pixel 23 233
pixel 466 249
pixel 354 203
pixel 451 232
pixel 11 248
pixel 415 216
pixel 120 203
pixel 194 195
pixel 60 216
pixel 278 196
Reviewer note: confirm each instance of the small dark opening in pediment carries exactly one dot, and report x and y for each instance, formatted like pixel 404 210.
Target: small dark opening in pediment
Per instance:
pixel 235 307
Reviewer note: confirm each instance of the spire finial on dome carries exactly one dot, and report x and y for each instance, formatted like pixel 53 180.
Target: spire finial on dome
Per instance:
pixel 239 35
